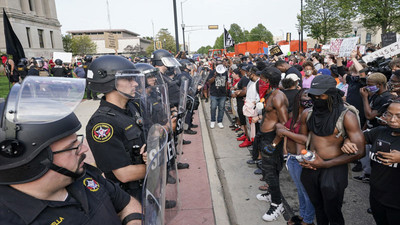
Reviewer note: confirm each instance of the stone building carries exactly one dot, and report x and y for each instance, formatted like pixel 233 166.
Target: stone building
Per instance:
pixel 129 43
pixel 36 25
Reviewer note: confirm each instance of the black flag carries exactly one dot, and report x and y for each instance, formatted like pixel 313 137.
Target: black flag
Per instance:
pixel 229 42
pixel 13 45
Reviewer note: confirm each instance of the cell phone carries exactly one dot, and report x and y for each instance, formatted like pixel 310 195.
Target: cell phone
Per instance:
pixel 382 146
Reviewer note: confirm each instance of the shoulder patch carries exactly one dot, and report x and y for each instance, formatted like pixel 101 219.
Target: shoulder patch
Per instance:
pixel 102 132
pixel 91 184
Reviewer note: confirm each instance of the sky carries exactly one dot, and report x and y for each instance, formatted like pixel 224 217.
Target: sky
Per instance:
pixel 278 16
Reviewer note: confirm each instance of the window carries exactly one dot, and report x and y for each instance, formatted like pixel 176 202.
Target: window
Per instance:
pixel 368 38
pixel 30 5
pixel 51 39
pixel 41 43
pixel 28 35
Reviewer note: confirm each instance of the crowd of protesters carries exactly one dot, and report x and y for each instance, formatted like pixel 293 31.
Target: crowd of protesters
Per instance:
pixel 339 108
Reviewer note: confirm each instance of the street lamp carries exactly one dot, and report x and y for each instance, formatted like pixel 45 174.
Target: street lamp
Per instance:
pixel 299 30
pixel 183 26
pixel 301 26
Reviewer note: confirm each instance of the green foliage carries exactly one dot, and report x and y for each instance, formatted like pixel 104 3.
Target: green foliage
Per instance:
pixel 326 19
pixel 67 41
pixel 219 42
pixel 4 86
pixel 82 45
pixel 260 33
pixel 204 49
pixel 237 33
pixel 375 14
pixel 166 39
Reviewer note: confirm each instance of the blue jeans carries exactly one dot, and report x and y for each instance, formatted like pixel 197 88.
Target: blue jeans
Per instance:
pixel 220 102
pixel 306 207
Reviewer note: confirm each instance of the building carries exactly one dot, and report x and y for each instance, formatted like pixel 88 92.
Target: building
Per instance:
pixel 36 25
pixel 129 43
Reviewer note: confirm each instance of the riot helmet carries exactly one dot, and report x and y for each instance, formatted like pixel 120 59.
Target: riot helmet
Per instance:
pixel 88 58
pixel 101 72
pixel 58 62
pixel 162 57
pixel 152 74
pixel 38 62
pixel 36 114
pixel 23 62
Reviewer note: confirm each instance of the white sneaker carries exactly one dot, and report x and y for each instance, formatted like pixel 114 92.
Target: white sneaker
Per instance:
pixel 220 125
pixel 212 125
pixel 274 212
pixel 264 197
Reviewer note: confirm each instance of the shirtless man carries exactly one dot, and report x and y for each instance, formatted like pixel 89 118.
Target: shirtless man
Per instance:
pixel 275 111
pixel 325 178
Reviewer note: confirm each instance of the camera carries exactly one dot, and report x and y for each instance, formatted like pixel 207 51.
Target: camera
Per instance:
pixel 379 65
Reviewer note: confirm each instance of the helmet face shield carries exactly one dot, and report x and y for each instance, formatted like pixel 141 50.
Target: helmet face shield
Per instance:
pixel 170 62
pixel 153 77
pixel 46 99
pixel 130 84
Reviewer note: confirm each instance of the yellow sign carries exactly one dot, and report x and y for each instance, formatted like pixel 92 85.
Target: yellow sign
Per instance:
pixel 213 27
pixel 158 45
pixel 111 40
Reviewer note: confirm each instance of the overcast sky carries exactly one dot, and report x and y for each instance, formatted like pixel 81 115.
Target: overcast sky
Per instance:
pixel 278 16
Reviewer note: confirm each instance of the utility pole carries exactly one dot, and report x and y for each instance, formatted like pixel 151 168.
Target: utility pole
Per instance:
pixel 183 26
pixel 301 25
pixel 176 27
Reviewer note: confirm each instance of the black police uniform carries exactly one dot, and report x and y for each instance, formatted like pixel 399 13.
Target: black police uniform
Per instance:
pixel 115 137
pixel 91 200
pixel 60 71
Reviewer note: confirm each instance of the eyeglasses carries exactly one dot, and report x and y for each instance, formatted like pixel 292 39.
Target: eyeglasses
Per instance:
pixel 387 115
pixel 78 148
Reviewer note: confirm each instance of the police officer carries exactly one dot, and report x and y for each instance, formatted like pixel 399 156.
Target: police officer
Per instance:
pixel 114 132
pixel 43 179
pixel 22 68
pixel 59 70
pixel 89 94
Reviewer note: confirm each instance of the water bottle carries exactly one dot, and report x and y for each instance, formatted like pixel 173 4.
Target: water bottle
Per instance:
pixel 299 158
pixel 308 155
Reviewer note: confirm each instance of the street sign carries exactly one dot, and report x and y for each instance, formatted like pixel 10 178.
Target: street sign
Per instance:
pixel 213 27
pixel 288 36
pixel 111 40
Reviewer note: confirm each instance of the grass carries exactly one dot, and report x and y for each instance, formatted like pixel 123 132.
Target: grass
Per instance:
pixel 3 86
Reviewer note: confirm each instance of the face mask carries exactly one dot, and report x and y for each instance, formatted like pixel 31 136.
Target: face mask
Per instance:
pixel 306 104
pixel 372 89
pixel 325 60
pixel 320 104
pixel 308 72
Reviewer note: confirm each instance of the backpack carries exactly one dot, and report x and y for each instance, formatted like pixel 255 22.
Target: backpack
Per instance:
pixel 339 122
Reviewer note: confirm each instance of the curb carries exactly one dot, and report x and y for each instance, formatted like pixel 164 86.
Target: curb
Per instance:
pixel 217 192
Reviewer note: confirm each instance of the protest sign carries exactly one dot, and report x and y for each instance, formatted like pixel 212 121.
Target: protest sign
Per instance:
pixel 66 57
pixel 386 52
pixel 276 51
pixel 347 46
pixel 335 45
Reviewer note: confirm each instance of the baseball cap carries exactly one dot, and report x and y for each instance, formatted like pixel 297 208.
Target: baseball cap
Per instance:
pixel 292 76
pixel 320 84
pixel 324 72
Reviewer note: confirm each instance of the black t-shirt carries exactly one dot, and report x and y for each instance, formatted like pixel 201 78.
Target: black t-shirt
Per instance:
pixel 376 102
pixel 218 87
pixel 290 95
pixel 353 96
pixel 91 200
pixel 243 82
pixel 384 180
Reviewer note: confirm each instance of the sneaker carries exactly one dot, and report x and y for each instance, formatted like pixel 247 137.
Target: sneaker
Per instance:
pixel 257 171
pixel 245 143
pixel 364 178
pixel 194 126
pixel 185 142
pixel 242 138
pixel 251 162
pixel 220 125
pixel 191 132
pixel 212 125
pixel 264 197
pixel 274 212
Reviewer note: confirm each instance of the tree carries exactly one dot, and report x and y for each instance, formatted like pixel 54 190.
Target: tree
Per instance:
pixel 237 33
pixel 219 42
pixel 260 33
pixel 67 40
pixel 375 14
pixel 325 19
pixel 204 49
pixel 166 39
pixel 82 45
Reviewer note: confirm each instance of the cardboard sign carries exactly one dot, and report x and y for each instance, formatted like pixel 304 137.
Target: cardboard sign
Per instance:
pixel 276 51
pixel 347 46
pixel 386 52
pixel 388 38
pixel 335 45
pixel 111 40
pixel 66 57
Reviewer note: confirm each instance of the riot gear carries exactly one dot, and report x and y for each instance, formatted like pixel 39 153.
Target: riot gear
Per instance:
pixel 101 72
pixel 22 67
pixel 150 72
pixel 163 58
pixel 88 58
pixel 27 129
pixel 58 62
